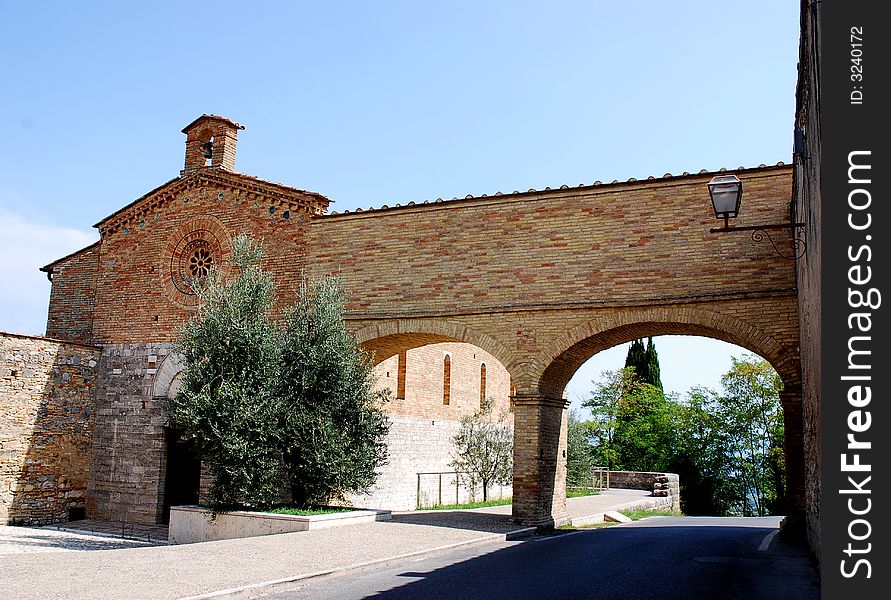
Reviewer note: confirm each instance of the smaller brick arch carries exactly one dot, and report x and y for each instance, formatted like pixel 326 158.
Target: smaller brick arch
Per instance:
pixel 168 376
pixel 390 338
pixel 562 359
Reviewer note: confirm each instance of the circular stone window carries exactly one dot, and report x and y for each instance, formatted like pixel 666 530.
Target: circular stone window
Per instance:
pixel 195 249
pixel 196 261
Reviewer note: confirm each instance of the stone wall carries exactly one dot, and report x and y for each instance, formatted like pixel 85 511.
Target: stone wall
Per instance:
pixel 128 452
pixel 46 423
pixel 666 485
pixel 417 446
pixel 806 209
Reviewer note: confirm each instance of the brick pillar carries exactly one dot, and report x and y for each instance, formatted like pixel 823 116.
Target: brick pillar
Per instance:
pixel 539 494
pixel 793 446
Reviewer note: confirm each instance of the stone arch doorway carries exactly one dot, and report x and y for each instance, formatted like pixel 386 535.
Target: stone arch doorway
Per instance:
pixel 180 472
pixel 541 410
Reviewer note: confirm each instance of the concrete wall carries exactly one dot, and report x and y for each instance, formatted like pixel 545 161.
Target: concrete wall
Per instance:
pixel 46 423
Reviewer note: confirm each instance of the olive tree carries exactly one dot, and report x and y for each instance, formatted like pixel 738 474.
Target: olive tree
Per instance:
pixel 333 424
pixel 265 407
pixel 226 406
pixel 483 449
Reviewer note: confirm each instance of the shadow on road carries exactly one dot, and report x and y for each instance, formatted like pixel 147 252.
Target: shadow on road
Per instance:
pixel 650 559
pixel 460 519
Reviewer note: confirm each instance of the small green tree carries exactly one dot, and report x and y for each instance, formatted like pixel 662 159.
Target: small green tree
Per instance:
pixel 702 458
pixel 579 461
pixel 750 408
pixel 483 449
pixel 226 406
pixel 604 403
pixel 333 423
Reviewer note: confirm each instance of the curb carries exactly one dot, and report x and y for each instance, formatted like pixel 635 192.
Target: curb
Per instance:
pixel 601 516
pixel 251 590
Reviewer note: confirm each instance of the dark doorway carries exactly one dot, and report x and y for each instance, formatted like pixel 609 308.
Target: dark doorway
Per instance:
pixel 183 476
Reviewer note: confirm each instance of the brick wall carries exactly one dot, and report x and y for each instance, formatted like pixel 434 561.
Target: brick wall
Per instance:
pixel 73 295
pixel 46 421
pixel 424 382
pixel 806 208
pixel 142 251
pixel 608 243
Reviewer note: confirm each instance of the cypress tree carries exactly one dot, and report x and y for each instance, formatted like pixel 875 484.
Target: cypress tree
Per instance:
pixel 645 361
pixel 637 358
pixel 654 375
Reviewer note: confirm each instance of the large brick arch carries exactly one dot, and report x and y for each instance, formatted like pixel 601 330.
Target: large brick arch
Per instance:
pixel 388 338
pixel 561 360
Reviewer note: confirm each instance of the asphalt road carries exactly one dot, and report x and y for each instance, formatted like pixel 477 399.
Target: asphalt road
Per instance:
pixel 671 557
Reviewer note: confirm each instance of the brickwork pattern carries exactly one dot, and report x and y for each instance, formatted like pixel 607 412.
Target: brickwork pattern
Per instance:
pixel 46 422
pixel 424 381
pixel 135 261
pixel 806 209
pixel 612 244
pixel 73 296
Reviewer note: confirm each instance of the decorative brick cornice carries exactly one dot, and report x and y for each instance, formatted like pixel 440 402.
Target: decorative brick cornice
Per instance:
pixel 278 195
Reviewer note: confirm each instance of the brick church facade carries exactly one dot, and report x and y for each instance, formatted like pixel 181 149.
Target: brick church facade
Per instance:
pixel 117 304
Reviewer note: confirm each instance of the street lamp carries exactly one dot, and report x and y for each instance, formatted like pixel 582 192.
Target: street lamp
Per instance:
pixel 726 192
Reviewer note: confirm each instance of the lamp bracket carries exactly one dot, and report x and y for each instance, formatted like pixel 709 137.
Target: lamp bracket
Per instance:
pixel 796 246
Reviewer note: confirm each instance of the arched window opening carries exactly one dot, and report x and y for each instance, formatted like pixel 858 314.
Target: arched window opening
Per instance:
pixel 400 376
pixel 446 379
pixel 482 385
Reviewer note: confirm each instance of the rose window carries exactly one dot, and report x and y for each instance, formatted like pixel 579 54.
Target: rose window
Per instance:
pixel 200 263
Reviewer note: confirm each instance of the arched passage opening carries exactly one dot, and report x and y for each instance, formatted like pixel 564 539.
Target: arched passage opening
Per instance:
pixel 433 380
pixel 723 437
pixel 540 450
pixel 180 469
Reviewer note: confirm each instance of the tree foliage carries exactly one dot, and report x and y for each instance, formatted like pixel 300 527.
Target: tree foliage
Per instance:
pixel 262 405
pixel 483 449
pixel 579 456
pixel 727 447
pixel 645 362
pixel 631 426
pixel 226 406
pixel 754 424
pixel 333 423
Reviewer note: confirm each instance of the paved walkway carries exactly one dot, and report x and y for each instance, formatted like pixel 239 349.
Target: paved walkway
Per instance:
pixel 195 569
pixel 129 531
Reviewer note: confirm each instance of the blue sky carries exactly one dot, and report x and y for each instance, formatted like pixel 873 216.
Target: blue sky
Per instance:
pixel 372 103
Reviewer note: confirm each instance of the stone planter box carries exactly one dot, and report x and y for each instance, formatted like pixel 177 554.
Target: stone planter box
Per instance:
pixel 190 524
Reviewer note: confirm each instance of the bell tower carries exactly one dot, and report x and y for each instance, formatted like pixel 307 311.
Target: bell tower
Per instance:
pixel 210 142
